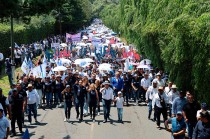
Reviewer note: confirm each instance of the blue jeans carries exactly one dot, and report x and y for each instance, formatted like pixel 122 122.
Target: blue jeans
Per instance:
pixel 106 107
pixel 32 108
pixel 58 95
pixel 48 97
pixel 136 95
pixel 120 113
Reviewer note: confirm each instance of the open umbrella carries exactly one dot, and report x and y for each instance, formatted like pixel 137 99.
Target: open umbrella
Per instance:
pixel 63 45
pixel 60 68
pixel 65 61
pixel 143 67
pixel 145 60
pixel 105 66
pixel 88 60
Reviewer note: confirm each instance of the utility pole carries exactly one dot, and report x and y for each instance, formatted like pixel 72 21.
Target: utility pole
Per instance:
pixel 12 48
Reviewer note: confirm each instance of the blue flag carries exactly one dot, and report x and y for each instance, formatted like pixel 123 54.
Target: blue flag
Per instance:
pixel 26 134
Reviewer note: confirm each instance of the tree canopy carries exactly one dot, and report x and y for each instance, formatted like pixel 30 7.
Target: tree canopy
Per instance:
pixel 175 35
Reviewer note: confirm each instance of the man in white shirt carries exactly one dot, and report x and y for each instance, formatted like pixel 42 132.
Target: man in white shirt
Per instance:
pixel 160 82
pixel 159 105
pixel 17 54
pixel 151 91
pixel 33 101
pixel 145 83
pixel 171 96
pixel 107 97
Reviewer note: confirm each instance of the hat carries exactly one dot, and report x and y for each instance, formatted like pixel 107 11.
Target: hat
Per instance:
pixel 106 82
pixel 68 86
pixel 119 92
pixel 14 90
pixel 160 88
pixel 154 81
pixel 48 77
pixel 158 74
pixel 179 113
pixel 124 73
pixel 173 86
pixel 58 76
pixel 204 106
pixel 120 70
pixel 30 85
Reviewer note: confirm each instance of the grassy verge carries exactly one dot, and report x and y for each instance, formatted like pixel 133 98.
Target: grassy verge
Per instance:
pixel 4 81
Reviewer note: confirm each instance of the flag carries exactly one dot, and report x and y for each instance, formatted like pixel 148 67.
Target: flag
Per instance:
pixel 44 60
pixel 126 64
pixel 68 37
pixel 30 64
pixel 25 67
pixel 76 37
pixel 40 71
pixel 26 135
pixel 58 62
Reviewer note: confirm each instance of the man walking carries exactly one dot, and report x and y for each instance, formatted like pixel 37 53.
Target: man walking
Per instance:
pixel 107 97
pixel 159 105
pixel 16 102
pixel 33 101
pixel 178 126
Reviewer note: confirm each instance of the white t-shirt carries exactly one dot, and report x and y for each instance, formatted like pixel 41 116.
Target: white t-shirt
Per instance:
pixel 119 102
pixel 198 113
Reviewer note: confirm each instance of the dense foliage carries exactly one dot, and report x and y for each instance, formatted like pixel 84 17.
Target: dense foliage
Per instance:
pixel 174 34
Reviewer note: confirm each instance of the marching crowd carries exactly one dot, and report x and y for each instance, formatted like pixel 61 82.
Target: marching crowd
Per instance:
pixel 87 89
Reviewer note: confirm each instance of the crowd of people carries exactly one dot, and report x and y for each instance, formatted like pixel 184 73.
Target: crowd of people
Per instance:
pixel 87 88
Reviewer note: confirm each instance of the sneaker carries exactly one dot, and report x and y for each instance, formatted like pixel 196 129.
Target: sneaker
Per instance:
pixel 60 105
pixel 64 120
pixel 77 116
pixel 98 113
pixel 68 120
pixel 104 121
pixel 94 120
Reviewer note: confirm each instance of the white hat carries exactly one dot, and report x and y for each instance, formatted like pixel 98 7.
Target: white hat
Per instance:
pixel 119 92
pixel 106 82
pixel 173 86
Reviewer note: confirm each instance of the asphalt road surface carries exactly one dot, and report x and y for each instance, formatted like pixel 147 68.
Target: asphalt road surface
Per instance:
pixel 135 126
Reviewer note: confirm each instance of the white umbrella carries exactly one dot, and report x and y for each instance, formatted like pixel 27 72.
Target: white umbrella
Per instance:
pixel 63 44
pixel 143 67
pixel 147 62
pixel 105 66
pixel 88 60
pixel 80 62
pixel 85 38
pixel 60 68
pixel 65 61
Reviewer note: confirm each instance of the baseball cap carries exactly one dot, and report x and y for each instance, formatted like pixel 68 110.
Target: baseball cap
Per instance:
pixel 179 113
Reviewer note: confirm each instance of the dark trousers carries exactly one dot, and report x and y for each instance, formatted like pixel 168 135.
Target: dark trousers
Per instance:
pixel 106 107
pixel 17 117
pixel 191 127
pixel 160 111
pixel 67 109
pixel 92 106
pixel 80 105
pixel 32 108
pixel 142 96
pixel 9 74
pixel 126 94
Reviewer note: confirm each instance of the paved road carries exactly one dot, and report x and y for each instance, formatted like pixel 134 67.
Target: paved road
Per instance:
pixel 136 126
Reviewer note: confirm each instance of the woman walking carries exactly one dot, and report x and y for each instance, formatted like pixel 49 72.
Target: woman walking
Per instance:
pixel 93 101
pixel 68 99
pixel 97 85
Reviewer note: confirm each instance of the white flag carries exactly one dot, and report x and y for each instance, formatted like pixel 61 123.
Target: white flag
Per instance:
pixel 40 71
pixel 25 66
